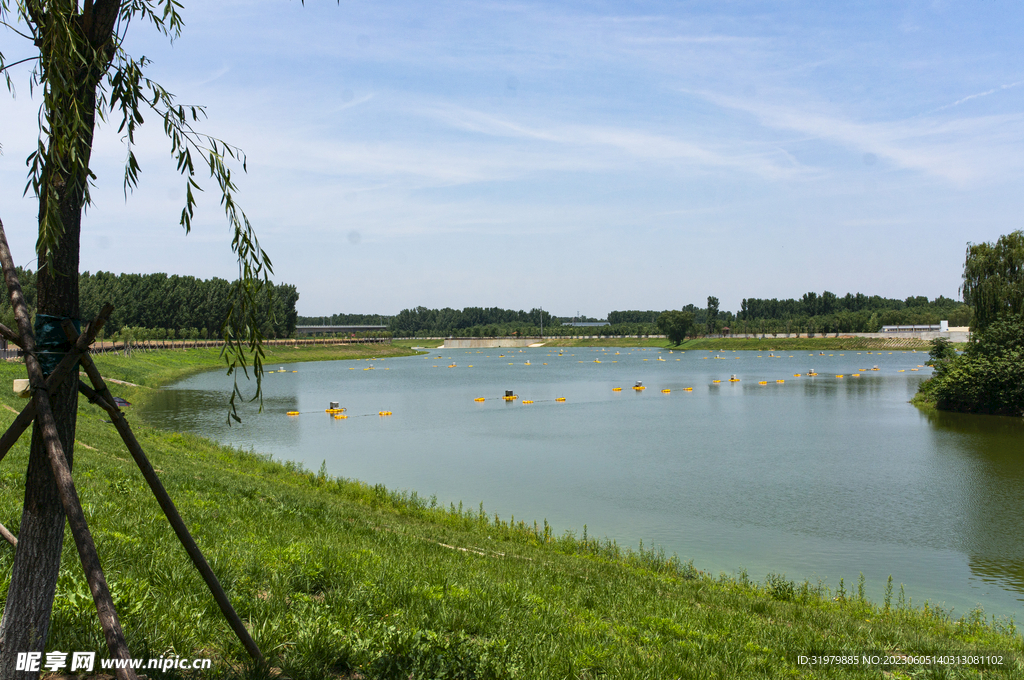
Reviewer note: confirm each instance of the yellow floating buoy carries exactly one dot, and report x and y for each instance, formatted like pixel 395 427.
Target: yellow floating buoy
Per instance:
pixel 479 399
pixel 334 410
pixel 839 376
pixel 687 389
pixel 762 382
pixel 293 413
pixel 666 391
pixel 340 416
pixel 383 413
pixel 559 398
pixel 716 381
pixel 856 375
pixel 527 401
pixel 616 389
pixel 780 381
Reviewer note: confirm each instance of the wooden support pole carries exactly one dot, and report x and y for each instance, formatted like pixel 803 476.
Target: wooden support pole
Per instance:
pixel 102 397
pixel 8 536
pixel 83 537
pixel 11 336
pixel 62 475
pixel 17 428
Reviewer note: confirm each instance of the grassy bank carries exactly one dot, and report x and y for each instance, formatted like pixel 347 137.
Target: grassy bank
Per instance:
pixel 160 367
pixel 343 579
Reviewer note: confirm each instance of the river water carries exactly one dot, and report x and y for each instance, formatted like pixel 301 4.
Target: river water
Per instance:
pixel 817 478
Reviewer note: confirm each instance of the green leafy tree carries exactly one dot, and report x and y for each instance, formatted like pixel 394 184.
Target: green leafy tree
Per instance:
pixel 676 325
pixel 941 353
pixel 83 75
pixel 994 279
pixel 712 313
pixel 988 377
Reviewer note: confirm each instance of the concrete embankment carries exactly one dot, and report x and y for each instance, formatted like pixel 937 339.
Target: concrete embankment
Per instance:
pixel 476 343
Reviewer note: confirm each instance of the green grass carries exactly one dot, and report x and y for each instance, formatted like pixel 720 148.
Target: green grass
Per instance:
pixel 344 579
pixel 159 367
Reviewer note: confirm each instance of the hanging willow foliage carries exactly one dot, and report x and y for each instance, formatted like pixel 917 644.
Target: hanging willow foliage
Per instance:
pixel 994 279
pixel 80 59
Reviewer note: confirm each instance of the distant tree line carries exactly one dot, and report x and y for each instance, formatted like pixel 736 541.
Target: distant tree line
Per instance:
pixel 812 313
pixel 343 320
pixel 423 322
pixel 852 313
pixel 165 306
pixel 708 320
pixel 482 322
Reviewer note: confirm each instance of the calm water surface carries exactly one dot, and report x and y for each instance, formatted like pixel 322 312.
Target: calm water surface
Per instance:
pixel 818 477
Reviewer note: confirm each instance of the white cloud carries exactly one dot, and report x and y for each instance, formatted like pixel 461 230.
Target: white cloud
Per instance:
pixel 962 151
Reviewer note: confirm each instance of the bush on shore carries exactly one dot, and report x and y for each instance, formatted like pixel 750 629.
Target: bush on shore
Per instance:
pixel 987 378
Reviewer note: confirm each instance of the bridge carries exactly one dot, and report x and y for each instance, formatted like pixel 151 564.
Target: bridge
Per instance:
pixel 333 330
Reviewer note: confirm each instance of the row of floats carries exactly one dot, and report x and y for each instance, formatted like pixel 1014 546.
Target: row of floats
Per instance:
pixel 640 387
pixel 338 412
pixel 509 396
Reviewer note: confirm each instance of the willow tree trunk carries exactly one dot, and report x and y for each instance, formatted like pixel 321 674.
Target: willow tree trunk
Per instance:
pixel 26 618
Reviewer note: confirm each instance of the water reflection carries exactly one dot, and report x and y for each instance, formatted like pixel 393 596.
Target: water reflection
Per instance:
pixel 989 450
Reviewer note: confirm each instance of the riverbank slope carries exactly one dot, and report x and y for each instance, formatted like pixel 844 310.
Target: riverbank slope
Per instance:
pixel 338 578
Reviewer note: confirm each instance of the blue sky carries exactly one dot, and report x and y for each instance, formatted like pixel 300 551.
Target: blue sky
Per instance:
pixel 578 157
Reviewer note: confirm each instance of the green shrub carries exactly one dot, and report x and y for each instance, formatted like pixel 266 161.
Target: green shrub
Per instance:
pixel 988 377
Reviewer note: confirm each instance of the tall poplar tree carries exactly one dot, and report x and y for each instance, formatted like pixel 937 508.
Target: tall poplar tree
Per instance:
pixel 83 76
pixel 712 313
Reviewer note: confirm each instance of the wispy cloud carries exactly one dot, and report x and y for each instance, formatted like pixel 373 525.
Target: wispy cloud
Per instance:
pixel 978 95
pixel 724 153
pixel 959 150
